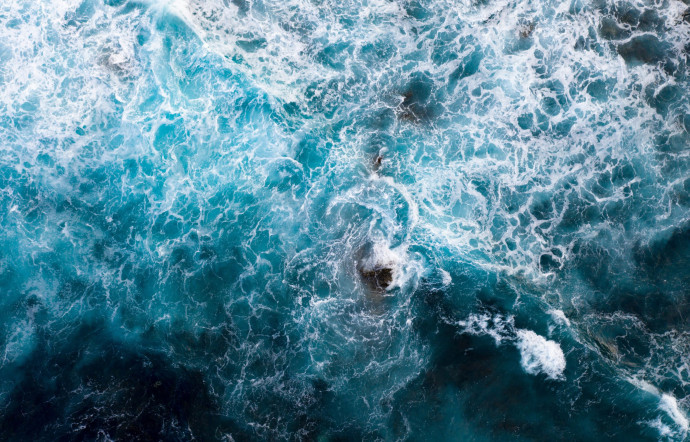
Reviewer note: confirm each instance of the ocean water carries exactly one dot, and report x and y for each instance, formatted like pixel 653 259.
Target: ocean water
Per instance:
pixel 423 220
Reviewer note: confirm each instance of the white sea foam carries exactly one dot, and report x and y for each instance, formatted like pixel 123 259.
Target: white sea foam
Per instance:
pixel 383 256
pixel 669 404
pixel 498 327
pixel 447 279
pixel 477 139
pixel 559 316
pixel 540 355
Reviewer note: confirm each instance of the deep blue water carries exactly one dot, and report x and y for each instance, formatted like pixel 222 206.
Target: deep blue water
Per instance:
pixel 463 220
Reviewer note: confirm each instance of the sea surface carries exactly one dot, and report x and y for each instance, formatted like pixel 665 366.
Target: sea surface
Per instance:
pixel 414 220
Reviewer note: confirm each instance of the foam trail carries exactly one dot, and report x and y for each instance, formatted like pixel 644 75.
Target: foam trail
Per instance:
pixel 669 404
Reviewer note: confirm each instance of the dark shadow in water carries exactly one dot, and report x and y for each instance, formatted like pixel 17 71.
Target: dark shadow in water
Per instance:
pixel 89 387
pixel 653 287
pixel 621 20
pixel 644 49
pixel 416 106
pixel 610 30
pixel 473 388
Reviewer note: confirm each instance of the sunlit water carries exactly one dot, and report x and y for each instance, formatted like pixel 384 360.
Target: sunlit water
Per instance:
pixel 325 220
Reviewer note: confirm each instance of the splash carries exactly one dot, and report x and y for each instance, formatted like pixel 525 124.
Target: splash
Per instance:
pixel 539 355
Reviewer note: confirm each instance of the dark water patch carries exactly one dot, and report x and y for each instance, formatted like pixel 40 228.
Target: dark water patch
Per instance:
pixel 589 43
pixel 581 210
pixel 126 218
pixel 416 9
pixel 377 53
pixel 600 89
pixel 307 403
pixel 199 346
pixel 651 22
pixel 595 265
pixel 619 339
pixel 650 287
pixel 629 17
pixel 467 67
pixel 483 382
pixel 242 6
pixel 542 207
pixel 681 193
pixel 664 100
pixel 417 104
pixel 525 121
pixel 671 145
pixel 551 260
pixel 644 49
pixel 252 44
pixel 88 387
pixel 627 13
pixel 663 258
pixel 610 30
pixel 74 290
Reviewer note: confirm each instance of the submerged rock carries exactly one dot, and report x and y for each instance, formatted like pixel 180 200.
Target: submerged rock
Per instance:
pixel 376 265
pixel 378 278
pixel 378 162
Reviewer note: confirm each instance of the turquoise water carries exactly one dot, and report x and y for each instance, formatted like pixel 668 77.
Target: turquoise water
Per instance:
pixel 366 220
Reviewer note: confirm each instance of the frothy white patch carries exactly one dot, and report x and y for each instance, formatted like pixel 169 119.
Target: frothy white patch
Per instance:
pixel 446 277
pixel 540 355
pixel 404 269
pixel 669 404
pixel 644 385
pixel 382 256
pixel 497 326
pixel 559 317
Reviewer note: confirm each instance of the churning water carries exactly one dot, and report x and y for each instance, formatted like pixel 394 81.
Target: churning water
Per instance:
pixel 332 219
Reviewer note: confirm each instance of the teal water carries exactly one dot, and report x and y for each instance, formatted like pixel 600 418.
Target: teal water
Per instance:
pixel 367 220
